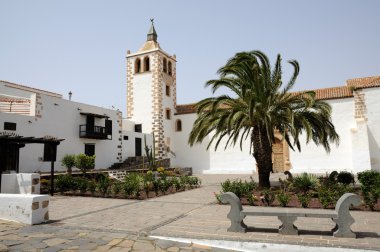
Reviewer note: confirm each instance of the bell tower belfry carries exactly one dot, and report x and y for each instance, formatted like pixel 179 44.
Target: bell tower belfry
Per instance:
pixel 151 91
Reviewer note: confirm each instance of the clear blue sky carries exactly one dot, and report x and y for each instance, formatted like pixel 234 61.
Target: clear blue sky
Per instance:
pixel 81 45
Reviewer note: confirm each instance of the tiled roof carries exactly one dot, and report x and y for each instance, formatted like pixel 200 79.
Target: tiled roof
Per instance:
pixel 367 82
pixel 321 94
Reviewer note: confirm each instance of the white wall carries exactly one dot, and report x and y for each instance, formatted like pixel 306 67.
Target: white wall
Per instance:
pixel 61 118
pixel 372 98
pixel 142 93
pixel 314 159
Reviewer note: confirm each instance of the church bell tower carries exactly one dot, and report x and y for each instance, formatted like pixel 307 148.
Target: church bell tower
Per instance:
pixel 151 91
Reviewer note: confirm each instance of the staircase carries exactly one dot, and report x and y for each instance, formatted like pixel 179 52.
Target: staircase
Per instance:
pixel 138 164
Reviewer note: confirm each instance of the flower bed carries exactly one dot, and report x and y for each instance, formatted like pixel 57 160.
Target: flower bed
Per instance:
pixel 307 190
pixel 134 186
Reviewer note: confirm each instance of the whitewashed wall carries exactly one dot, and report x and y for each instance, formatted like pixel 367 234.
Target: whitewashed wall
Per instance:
pixel 129 145
pixel 372 98
pixel 352 154
pixel 61 118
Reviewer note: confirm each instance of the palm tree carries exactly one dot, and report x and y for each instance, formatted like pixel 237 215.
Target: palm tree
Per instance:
pixel 260 106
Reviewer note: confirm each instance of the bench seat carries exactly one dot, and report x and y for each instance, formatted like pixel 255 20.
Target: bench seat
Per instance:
pixel 295 212
pixel 341 215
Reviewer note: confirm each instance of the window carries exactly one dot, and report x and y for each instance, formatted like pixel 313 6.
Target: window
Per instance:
pixel 89 149
pixel 168 114
pixel 178 125
pixel 137 66
pixel 170 68
pixel 125 137
pixel 146 64
pixel 164 62
pixel 167 90
pixel 138 128
pixel 9 126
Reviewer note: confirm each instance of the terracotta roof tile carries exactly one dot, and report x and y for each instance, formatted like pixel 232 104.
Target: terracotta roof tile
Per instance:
pixel 367 82
pixel 321 94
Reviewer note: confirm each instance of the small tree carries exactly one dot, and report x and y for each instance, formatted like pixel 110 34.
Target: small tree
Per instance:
pixel 84 162
pixel 68 161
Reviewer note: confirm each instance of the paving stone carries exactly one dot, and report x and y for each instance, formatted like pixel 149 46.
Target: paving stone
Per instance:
pixel 172 249
pixel 142 246
pixel 114 242
pixel 102 248
pixel 3 248
pixel 126 244
pixel 54 241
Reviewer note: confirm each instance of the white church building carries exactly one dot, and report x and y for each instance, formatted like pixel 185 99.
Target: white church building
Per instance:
pixel 152 108
pixel 151 90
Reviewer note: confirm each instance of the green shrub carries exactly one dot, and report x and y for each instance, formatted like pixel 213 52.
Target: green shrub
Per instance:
pixel 251 199
pixel 176 183
pixel 345 177
pixel 84 162
pixel 64 183
pixel 305 182
pixel 116 187
pixel 103 184
pixel 68 161
pixel 333 176
pixel 304 199
pixel 268 197
pixel 283 198
pixel 238 187
pixel 132 184
pixel 370 185
pixel 81 184
pixel 328 196
pixel 91 186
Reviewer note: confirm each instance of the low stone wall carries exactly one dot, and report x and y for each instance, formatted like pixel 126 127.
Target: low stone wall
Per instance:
pixel 20 183
pixel 25 208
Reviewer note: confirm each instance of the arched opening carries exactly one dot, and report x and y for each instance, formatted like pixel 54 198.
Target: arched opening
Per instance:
pixel 146 64
pixel 178 125
pixel 170 68
pixel 137 66
pixel 164 62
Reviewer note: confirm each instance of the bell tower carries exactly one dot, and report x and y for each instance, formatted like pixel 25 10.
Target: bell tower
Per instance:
pixel 151 91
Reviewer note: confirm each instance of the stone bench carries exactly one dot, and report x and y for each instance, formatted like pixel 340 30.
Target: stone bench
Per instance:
pixel 25 208
pixel 341 215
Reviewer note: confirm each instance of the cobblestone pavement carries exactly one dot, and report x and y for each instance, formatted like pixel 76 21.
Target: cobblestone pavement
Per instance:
pixel 101 224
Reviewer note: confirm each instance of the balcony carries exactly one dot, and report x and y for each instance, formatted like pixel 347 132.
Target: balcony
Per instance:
pixel 94 132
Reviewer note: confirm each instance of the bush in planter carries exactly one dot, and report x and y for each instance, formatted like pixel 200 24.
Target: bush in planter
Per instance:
pixel 328 196
pixel 304 199
pixel 84 162
pixel 68 161
pixel 81 184
pixel 132 184
pixel 64 183
pixel 283 198
pixel 267 197
pixel 238 187
pixel 370 185
pixel 345 177
pixel 91 186
pixel 116 187
pixel 103 184
pixel 305 182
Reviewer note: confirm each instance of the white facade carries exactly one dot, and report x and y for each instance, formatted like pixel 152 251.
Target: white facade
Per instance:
pixel 355 115
pixel 52 116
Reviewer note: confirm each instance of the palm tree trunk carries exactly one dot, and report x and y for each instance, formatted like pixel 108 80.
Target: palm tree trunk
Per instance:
pixel 262 148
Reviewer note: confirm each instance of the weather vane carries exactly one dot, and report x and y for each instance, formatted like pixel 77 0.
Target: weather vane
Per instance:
pixel 152 20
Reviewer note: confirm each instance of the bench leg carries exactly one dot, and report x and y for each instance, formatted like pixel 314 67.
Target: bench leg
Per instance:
pixel 237 226
pixel 343 228
pixel 288 227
